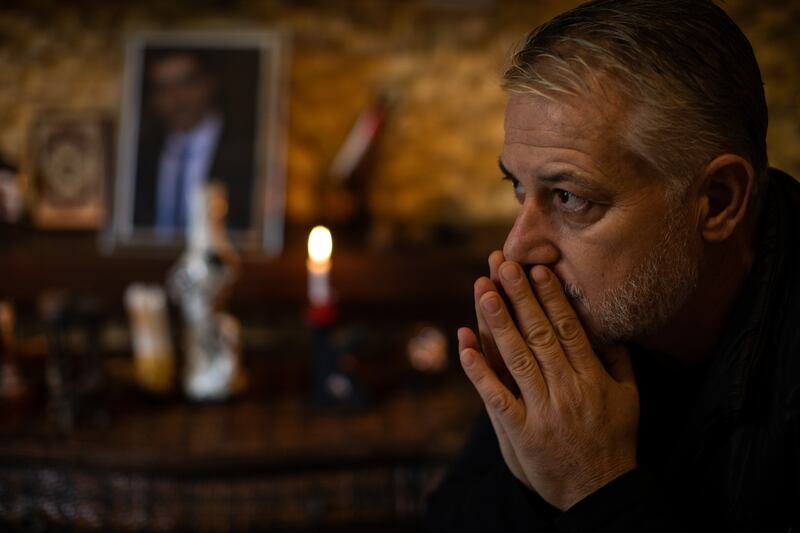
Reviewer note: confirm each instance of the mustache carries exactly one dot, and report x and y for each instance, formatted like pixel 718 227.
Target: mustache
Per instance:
pixel 573 292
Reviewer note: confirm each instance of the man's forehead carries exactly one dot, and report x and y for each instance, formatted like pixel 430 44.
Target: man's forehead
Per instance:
pixel 528 116
pixel 582 134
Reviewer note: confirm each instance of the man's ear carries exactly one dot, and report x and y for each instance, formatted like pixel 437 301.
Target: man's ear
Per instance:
pixel 725 196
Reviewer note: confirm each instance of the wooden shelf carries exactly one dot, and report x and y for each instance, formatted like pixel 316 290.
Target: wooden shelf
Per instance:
pixel 428 281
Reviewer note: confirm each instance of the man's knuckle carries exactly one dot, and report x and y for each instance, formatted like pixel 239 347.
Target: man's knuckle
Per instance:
pixel 498 402
pixel 550 294
pixel 505 329
pixel 518 294
pixel 522 365
pixel 505 332
pixel 479 378
pixel 540 336
pixel 568 329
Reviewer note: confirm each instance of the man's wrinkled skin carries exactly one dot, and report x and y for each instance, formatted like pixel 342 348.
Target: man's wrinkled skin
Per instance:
pixel 556 381
pixel 571 411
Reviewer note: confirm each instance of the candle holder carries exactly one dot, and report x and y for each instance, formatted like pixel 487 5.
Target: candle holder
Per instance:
pixel 74 365
pixel 334 384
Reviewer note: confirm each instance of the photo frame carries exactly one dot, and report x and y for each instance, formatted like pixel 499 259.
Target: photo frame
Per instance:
pixel 200 106
pixel 69 165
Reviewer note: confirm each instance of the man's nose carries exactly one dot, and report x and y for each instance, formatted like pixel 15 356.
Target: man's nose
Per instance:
pixel 530 241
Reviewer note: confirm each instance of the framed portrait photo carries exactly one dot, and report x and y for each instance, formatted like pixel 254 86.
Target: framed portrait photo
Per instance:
pixel 201 107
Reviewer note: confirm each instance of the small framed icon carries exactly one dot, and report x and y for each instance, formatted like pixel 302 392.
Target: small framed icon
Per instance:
pixel 70 162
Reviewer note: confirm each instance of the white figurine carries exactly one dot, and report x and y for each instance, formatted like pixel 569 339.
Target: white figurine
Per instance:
pixel 200 283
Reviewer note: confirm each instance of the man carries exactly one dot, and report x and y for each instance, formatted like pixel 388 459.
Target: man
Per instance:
pixel 638 353
pixel 190 145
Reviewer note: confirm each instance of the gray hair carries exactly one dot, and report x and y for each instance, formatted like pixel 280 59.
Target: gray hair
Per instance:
pixel 683 66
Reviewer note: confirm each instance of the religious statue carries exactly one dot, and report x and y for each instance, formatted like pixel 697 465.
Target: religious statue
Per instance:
pixel 200 283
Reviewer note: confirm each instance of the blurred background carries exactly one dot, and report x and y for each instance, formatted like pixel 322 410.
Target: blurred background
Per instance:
pixel 344 405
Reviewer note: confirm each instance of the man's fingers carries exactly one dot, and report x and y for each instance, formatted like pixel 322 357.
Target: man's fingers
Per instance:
pixel 467 339
pixel 533 323
pixel 517 356
pixel 502 436
pixel 566 325
pixel 617 362
pixel 488 347
pixel 501 405
pixel 498 400
pixel 482 286
pixel 508 451
pixel 496 259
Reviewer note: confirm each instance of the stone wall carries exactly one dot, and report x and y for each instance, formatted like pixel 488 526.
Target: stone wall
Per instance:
pixel 442 59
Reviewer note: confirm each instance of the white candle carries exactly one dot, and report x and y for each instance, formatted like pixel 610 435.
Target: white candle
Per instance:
pixel 320 246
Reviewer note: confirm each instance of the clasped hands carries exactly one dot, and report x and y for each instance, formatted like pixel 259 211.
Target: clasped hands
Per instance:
pixel 566 417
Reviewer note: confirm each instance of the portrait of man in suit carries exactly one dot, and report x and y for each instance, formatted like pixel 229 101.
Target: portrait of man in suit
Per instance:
pixel 195 130
pixel 201 107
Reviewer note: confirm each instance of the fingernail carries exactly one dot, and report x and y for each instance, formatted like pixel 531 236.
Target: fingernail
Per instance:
pixel 490 304
pixel 509 272
pixel 539 274
pixel 467 358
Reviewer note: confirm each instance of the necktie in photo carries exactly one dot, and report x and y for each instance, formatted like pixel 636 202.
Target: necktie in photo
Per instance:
pixel 179 220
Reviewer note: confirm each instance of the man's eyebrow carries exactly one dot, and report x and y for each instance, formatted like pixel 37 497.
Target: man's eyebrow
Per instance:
pixel 507 173
pixel 558 177
pixel 572 177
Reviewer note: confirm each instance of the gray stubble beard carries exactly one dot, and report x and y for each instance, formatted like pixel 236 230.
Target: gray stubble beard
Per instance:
pixel 652 293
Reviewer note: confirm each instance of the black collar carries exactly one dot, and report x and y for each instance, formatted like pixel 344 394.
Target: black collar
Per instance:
pixel 744 349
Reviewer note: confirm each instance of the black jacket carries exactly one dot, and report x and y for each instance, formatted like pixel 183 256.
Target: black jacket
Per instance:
pixel 233 164
pixel 719 447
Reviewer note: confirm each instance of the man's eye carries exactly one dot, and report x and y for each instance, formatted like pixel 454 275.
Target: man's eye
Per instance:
pixel 519 190
pixel 570 201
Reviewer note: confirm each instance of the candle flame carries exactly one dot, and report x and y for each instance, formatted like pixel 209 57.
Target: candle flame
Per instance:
pixel 320 244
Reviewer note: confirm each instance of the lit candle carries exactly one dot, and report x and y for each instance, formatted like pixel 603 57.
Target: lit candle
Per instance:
pixel 320 246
